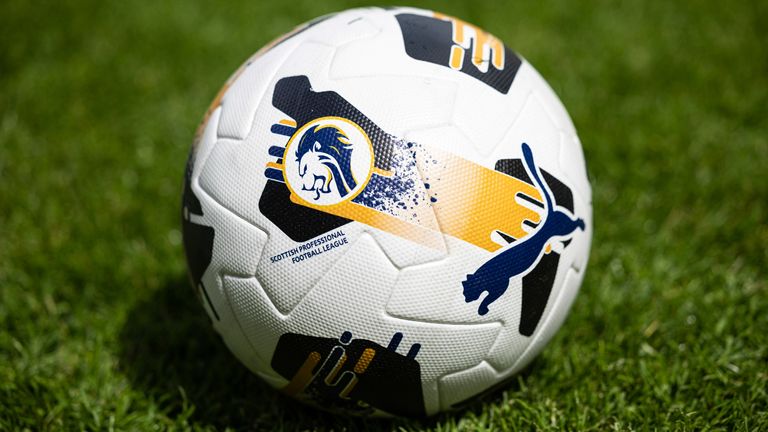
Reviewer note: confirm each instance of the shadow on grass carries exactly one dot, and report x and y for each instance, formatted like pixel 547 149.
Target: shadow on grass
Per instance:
pixel 170 352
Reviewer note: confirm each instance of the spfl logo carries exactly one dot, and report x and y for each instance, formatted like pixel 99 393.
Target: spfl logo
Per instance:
pixel 329 160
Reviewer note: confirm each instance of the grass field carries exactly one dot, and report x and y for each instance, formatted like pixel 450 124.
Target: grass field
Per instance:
pixel 99 328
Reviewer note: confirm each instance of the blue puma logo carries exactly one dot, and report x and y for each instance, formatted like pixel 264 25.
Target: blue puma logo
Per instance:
pixel 519 257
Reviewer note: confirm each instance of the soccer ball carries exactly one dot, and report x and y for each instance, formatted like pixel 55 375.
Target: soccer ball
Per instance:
pixel 386 212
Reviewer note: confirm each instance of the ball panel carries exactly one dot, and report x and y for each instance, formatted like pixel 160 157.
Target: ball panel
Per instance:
pixel 277 270
pixel 460 386
pixel 551 102
pixel 574 167
pixel 343 27
pixel 400 103
pixel 534 127
pixel 248 89
pixel 406 254
pixel 429 291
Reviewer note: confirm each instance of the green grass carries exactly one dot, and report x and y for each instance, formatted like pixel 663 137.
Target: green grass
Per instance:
pixel 99 330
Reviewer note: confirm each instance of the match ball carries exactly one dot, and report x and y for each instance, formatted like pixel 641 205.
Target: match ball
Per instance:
pixel 386 212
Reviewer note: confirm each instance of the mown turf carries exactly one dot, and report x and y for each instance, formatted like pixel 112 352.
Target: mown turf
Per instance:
pixel 99 330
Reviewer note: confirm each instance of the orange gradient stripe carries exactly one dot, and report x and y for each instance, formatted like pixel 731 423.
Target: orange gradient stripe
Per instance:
pixel 474 201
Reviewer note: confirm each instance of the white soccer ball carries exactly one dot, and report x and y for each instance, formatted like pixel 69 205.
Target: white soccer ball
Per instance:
pixel 386 212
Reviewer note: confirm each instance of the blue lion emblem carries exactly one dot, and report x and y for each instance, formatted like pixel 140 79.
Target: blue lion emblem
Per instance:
pixel 520 257
pixel 324 155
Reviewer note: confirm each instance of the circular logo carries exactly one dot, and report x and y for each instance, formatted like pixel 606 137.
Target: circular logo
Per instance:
pixel 328 161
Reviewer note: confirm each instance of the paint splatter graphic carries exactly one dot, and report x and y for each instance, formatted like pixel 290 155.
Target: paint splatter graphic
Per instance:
pixel 403 193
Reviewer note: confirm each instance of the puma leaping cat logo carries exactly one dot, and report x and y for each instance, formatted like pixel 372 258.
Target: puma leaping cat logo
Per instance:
pixel 520 257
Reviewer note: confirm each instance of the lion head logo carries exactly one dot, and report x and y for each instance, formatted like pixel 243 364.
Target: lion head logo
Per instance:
pixel 324 156
pixel 328 160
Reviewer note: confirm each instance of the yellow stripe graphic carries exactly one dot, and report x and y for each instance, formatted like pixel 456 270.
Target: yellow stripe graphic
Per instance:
pixel 472 202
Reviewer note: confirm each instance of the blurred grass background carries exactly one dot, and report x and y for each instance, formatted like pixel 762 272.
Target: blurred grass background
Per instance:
pixel 99 329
